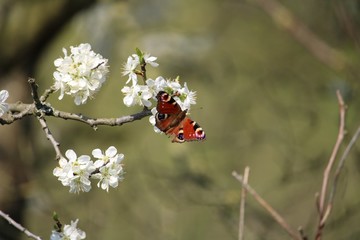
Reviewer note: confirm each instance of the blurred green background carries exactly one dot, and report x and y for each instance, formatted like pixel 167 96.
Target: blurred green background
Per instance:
pixel 264 98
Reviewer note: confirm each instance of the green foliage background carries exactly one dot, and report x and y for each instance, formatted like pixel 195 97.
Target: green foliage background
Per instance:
pixel 263 99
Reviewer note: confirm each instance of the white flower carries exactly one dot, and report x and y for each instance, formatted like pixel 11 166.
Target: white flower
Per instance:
pixel 189 97
pixel 4 107
pixel 110 167
pixel 150 60
pixel 75 172
pixel 103 158
pixel 129 68
pixel 157 85
pixel 80 74
pixel 152 120
pixel 137 95
pixel 70 232
pixel 55 235
pixel 174 85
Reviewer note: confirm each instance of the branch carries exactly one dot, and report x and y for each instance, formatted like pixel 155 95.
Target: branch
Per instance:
pixel 301 33
pixel 34 92
pixel 242 205
pixel 337 174
pixel 17 111
pixel 278 218
pixel 20 110
pixel 18 226
pixel 50 137
pixel 327 171
pixel 93 122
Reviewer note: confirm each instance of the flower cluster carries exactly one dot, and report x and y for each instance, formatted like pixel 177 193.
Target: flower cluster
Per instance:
pixel 137 94
pixel 80 74
pixel 141 94
pixel 70 232
pixel 76 172
pixel 4 107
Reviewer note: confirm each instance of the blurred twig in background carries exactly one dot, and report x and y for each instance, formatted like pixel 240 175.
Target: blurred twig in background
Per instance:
pixel 286 20
pixel 242 204
pixel 278 218
pixel 324 200
pixel 324 212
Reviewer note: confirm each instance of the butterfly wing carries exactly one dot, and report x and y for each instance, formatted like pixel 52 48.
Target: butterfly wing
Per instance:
pixel 171 120
pixel 188 130
pixel 167 104
pixel 169 113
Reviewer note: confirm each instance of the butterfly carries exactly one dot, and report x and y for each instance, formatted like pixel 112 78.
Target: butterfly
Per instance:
pixel 171 120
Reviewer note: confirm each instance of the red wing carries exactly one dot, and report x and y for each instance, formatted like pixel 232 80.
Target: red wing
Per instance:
pixel 188 130
pixel 167 104
pixel 171 120
pixel 165 122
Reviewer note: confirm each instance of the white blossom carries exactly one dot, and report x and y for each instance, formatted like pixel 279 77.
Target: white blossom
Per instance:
pixel 80 74
pixel 150 60
pixel 129 68
pixel 189 97
pixel 4 107
pixel 75 171
pixel 70 232
pixel 152 120
pixel 137 95
pixel 110 167
pixel 157 85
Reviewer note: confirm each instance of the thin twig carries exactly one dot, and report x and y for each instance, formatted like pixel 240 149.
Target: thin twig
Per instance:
pixel 50 137
pixel 278 218
pixel 47 93
pixel 285 19
pixel 18 226
pixel 242 204
pixel 327 171
pixel 302 234
pixel 34 92
pixel 334 152
pixel 337 174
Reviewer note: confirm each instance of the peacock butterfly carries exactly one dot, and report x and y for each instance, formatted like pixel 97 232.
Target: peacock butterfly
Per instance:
pixel 171 120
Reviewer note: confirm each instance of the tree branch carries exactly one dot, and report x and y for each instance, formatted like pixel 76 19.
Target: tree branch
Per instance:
pixel 50 137
pixel 301 33
pixel 323 213
pixel 242 205
pixel 278 218
pixel 18 226
pixel 337 174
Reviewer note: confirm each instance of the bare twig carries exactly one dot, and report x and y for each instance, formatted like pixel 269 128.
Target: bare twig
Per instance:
pixel 301 33
pixel 337 174
pixel 47 93
pixel 302 234
pixel 18 226
pixel 334 152
pixel 278 218
pixel 323 213
pixel 93 122
pixel 20 110
pixel 50 137
pixel 34 92
pixel 242 204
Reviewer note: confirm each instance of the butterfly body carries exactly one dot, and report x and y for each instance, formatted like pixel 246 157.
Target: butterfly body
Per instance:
pixel 172 120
